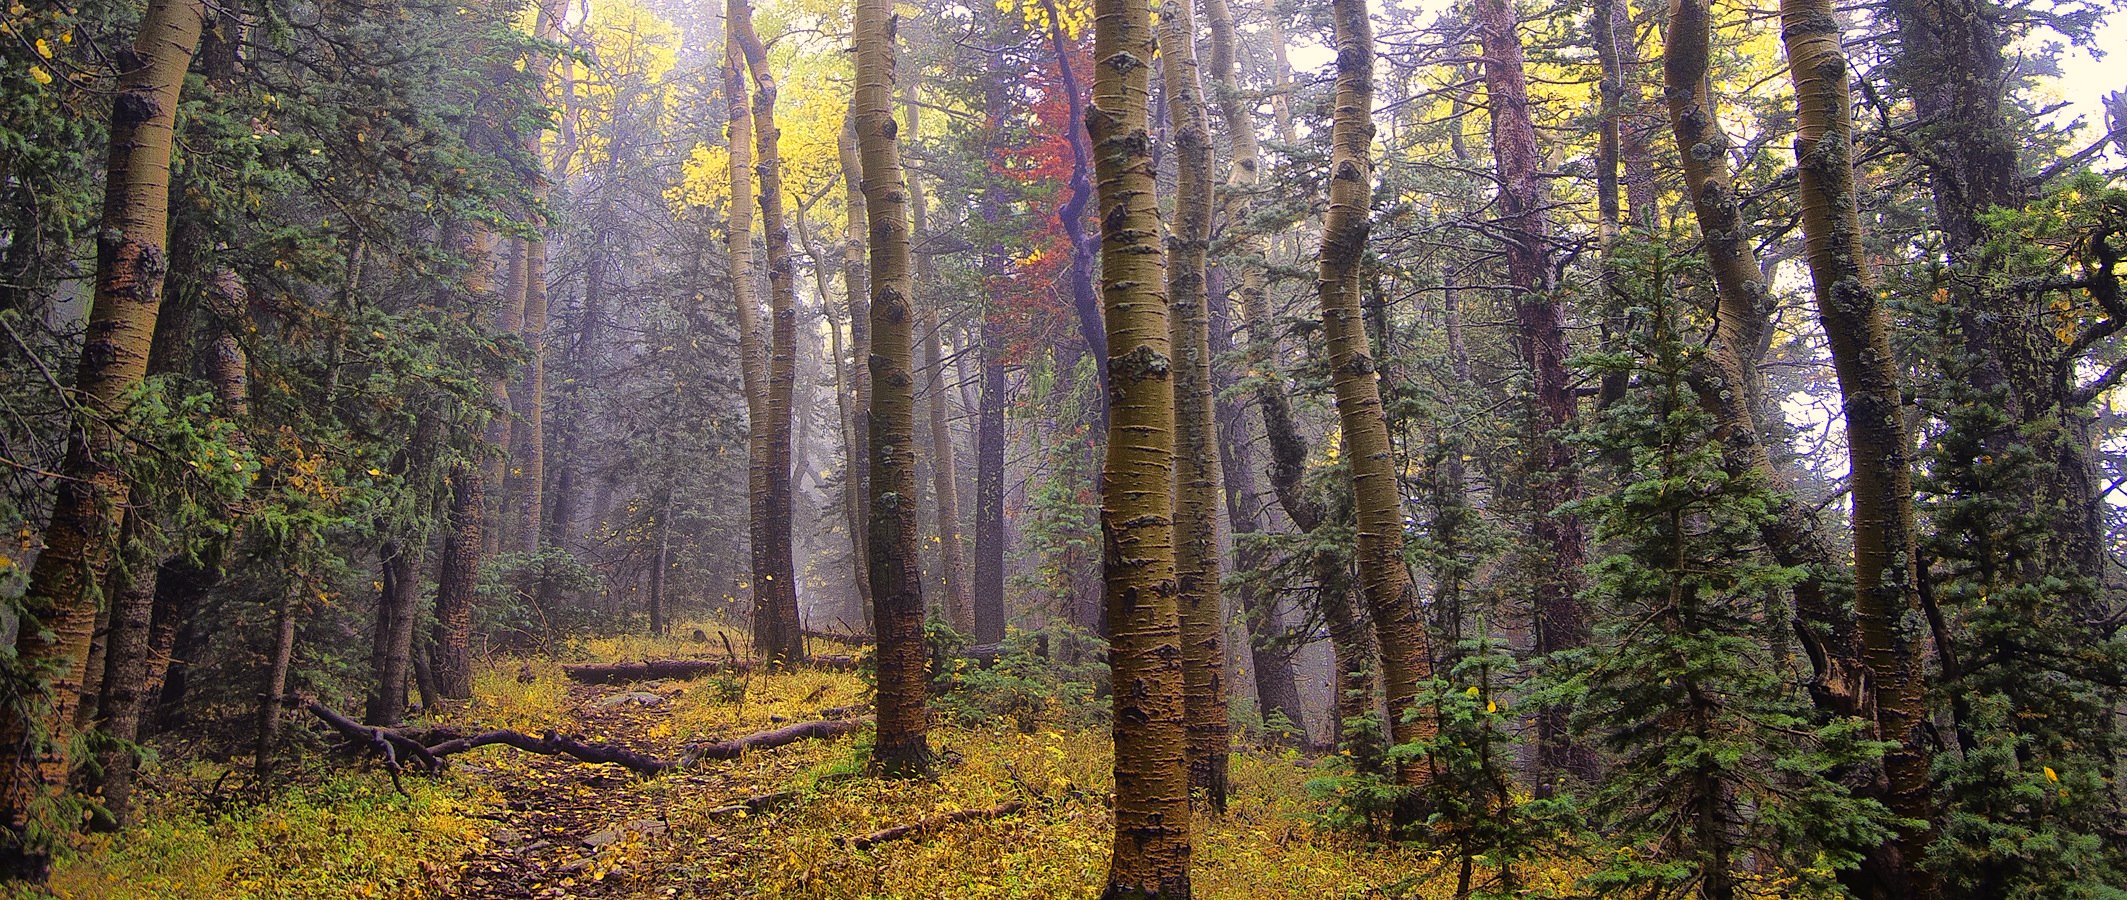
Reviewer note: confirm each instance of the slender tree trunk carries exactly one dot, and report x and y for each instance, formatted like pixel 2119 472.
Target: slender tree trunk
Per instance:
pixel 1152 842
pixel 777 633
pixel 1196 461
pixel 1857 328
pixel 990 612
pixel 58 612
pixel 273 685
pixel 1270 665
pixel 499 435
pixel 661 566
pixel 525 486
pixel 1384 579
pixel 856 280
pixel 397 605
pixel 1561 622
pixel 896 577
pixel 1078 192
pixel 945 478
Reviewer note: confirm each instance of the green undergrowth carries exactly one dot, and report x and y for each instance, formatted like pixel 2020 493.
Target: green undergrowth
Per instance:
pixel 347 836
pixel 345 833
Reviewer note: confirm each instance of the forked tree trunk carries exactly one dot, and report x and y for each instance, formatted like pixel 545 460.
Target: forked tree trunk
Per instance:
pixel 1351 639
pixel 777 633
pixel 896 577
pixel 1196 459
pixel 1857 327
pixel 1377 499
pixel 392 656
pixel 1561 622
pixel 1151 851
pixel 58 611
pixel 1733 392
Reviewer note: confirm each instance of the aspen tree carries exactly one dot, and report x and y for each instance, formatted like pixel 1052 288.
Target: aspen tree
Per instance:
pixel 1858 329
pixel 896 577
pixel 59 607
pixel 1152 839
pixel 1196 459
pixel 777 632
pixel 1384 579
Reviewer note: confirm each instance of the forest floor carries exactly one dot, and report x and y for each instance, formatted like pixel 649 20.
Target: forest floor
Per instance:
pixel 509 824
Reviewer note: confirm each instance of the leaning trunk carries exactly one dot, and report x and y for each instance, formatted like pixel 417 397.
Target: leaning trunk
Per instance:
pixel 1858 329
pixel 1384 579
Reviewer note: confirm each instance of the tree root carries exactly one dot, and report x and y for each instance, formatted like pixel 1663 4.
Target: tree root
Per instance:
pixel 926 826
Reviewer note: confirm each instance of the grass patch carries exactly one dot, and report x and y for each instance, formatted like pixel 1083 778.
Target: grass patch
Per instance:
pixel 349 836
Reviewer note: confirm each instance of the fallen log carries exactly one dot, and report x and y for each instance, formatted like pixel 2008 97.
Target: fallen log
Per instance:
pixel 684 669
pixel 551 744
pixel 767 740
pixel 386 743
pixel 926 826
pixel 652 670
pixel 394 746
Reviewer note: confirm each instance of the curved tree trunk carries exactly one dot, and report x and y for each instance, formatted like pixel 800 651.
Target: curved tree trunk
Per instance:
pixel 1735 394
pixel 1196 459
pixel 1151 851
pixel 778 636
pixel 1078 193
pixel 896 577
pixel 1857 327
pixel 1384 579
pixel 59 607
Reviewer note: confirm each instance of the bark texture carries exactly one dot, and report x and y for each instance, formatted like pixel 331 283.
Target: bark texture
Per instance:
pixel 59 607
pixel 1151 850
pixel 1857 327
pixel 896 576
pixel 1384 579
pixel 1561 623
pixel 1196 457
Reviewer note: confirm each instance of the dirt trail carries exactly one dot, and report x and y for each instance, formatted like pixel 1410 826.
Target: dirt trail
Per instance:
pixel 570 829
